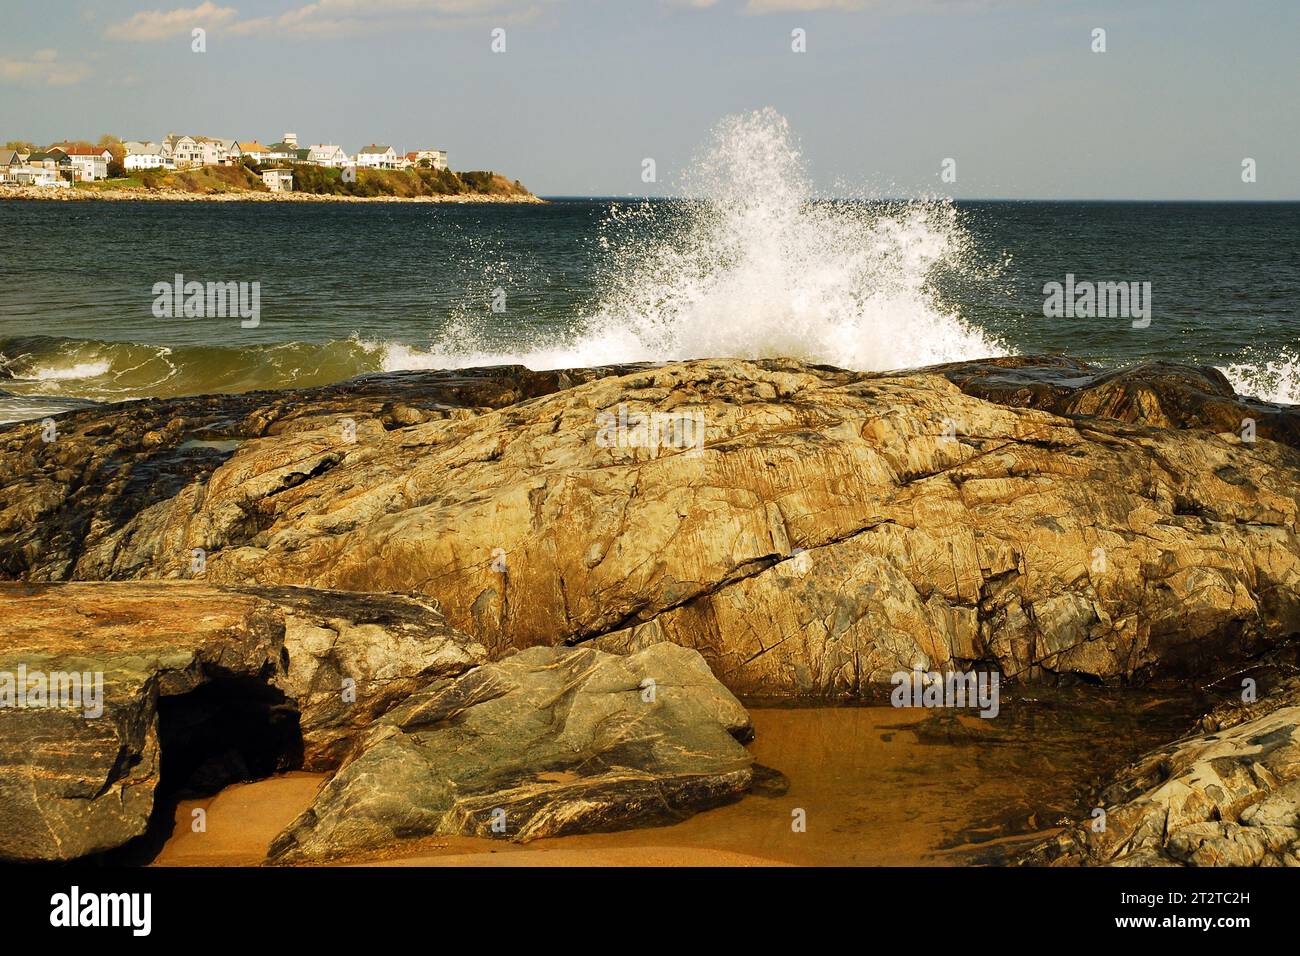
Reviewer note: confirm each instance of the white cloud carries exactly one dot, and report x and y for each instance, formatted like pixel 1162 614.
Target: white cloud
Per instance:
pixel 326 17
pixel 162 24
pixel 42 68
pixel 344 17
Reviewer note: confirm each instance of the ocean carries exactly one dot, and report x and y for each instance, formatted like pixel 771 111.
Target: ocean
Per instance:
pixel 759 266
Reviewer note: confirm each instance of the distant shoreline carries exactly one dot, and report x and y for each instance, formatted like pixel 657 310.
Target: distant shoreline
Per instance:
pixel 55 194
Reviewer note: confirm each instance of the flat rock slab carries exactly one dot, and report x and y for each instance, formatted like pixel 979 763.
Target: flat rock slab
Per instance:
pixel 547 742
pixel 80 777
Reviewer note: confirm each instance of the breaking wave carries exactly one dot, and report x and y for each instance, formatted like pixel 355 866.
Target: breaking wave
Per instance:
pixel 757 267
pixel 52 366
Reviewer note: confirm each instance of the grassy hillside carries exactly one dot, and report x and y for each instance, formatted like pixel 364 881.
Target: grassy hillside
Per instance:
pixel 405 183
pixel 206 180
pixel 213 179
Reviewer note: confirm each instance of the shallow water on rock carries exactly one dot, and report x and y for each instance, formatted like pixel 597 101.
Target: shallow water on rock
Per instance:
pixel 877 786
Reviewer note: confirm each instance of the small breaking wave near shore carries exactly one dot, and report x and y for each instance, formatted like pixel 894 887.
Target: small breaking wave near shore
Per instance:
pixel 45 375
pixel 113 371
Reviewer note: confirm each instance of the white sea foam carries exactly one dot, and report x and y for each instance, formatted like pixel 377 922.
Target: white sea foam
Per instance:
pixel 1273 380
pixel 755 268
pixel 72 372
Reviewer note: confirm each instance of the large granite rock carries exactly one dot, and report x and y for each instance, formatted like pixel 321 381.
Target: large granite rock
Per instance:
pixel 352 657
pixel 73 505
pixel 197 683
pixel 547 742
pixel 1227 795
pixel 833 528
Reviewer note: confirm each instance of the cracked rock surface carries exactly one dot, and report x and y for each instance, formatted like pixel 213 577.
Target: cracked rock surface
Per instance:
pixel 835 527
pixel 87 505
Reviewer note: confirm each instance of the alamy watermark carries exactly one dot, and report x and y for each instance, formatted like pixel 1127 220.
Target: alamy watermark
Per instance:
pixel 1100 300
pixel 74 908
pixel 652 430
pixel 24 689
pixel 211 300
pixel 973 689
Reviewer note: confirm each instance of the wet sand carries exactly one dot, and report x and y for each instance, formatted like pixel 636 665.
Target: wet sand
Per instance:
pixel 877 786
pixel 241 821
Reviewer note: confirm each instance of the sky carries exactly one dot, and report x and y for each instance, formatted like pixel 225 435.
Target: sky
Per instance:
pixel 584 91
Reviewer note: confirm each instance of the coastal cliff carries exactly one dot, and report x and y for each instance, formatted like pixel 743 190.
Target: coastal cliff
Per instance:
pixel 311 184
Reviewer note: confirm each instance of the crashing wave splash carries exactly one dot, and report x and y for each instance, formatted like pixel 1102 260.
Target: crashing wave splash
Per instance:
pixel 757 268
pixel 1273 380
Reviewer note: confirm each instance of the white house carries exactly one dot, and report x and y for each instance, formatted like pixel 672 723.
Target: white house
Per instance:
pixel 278 180
pixel 87 169
pixel 69 149
pixel 377 157
pixel 437 157
pixel 88 163
pixel 212 152
pixel 184 150
pixel 234 155
pixel 10 159
pixel 150 156
pixel 328 154
pixel 282 152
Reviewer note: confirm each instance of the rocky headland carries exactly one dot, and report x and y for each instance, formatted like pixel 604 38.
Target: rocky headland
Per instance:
pixel 514 602
pixel 128 194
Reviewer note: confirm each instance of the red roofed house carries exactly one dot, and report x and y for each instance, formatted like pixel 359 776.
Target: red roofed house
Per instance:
pixel 88 162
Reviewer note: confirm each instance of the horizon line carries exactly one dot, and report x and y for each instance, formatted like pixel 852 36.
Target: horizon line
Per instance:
pixel 1007 199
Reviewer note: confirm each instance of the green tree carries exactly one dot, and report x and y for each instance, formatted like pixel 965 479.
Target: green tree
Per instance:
pixel 114 146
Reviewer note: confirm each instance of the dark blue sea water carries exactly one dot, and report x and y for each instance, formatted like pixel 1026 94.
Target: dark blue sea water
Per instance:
pixel 350 288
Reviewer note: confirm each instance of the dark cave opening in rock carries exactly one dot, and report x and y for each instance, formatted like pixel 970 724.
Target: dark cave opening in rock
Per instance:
pixel 228 730
pixel 225 731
